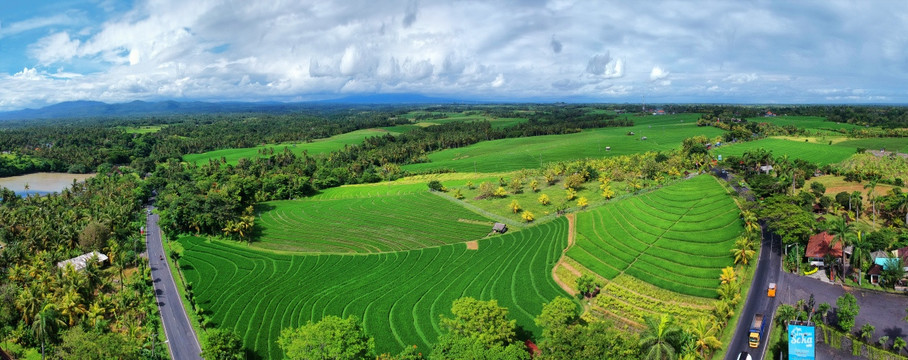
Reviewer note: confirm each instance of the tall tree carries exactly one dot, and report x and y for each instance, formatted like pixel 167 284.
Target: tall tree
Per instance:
pixel 661 338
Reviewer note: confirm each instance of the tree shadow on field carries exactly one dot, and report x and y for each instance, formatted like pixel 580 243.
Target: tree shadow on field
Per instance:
pixel 255 234
pixel 522 334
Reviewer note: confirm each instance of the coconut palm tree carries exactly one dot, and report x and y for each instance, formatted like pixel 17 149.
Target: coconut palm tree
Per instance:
pixel 46 322
pixel 728 275
pixel 661 337
pixel 860 254
pixel 842 231
pixel 751 223
pixel 704 333
pixel 743 251
pixel 871 185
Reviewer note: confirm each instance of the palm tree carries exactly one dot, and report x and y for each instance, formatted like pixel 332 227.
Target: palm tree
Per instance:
pixel 705 335
pixel 860 255
pixel 71 306
pixel 661 338
pixel 872 186
pixel 903 205
pixel 28 302
pixel 46 322
pixel 842 231
pixel 751 223
pixel 728 275
pixel 898 345
pixel 743 251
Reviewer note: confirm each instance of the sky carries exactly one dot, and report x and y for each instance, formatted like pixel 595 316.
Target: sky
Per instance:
pixel 559 50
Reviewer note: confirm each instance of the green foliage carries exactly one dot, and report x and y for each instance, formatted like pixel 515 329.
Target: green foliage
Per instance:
pixel 677 238
pixel 435 185
pixel 587 284
pixel 662 338
pixel 484 321
pixel 76 343
pixel 565 337
pixel 399 295
pixel 821 154
pixel 846 311
pixel 330 338
pixel 223 345
pixel 790 221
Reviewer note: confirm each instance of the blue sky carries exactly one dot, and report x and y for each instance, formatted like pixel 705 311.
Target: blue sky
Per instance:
pixel 559 50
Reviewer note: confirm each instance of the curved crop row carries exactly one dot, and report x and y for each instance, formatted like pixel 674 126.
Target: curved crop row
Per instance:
pixel 677 238
pixel 367 225
pixel 399 296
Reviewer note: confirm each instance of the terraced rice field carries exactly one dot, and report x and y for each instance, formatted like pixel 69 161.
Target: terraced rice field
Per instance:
pixel 677 238
pixel 813 123
pixel 399 296
pixel 662 132
pixel 820 154
pixel 319 146
pixel 367 224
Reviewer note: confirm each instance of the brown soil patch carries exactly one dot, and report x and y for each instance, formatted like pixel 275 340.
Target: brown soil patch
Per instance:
pixel 476 222
pixel 473 245
pixel 571 232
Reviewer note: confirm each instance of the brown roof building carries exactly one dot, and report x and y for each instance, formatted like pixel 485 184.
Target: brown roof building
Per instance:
pixel 818 246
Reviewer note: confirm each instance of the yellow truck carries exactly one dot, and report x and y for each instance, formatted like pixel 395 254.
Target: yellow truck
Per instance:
pixel 772 290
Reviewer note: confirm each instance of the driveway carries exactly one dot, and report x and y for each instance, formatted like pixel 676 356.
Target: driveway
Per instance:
pixel 181 338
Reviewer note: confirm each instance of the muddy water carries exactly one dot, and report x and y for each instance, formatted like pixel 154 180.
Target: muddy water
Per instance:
pixel 41 183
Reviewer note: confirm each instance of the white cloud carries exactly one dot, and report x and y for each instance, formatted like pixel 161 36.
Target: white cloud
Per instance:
pixel 658 73
pixel 558 49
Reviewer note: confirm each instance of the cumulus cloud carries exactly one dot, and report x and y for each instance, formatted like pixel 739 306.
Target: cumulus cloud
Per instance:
pixel 658 73
pixel 262 50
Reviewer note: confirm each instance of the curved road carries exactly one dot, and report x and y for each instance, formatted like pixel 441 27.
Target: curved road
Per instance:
pixel 768 268
pixel 181 338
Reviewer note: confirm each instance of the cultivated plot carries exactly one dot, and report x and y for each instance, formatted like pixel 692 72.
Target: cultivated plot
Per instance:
pixel 398 296
pixel 367 224
pixel 820 154
pixel 677 238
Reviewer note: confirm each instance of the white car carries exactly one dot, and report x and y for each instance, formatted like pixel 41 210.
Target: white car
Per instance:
pixel 744 356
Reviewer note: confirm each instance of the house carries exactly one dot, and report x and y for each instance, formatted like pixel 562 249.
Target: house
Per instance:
pixel 769 114
pixel 659 112
pixel 643 138
pixel 608 148
pixel 766 169
pixel 80 261
pixel 499 228
pixel 874 273
pixel 818 247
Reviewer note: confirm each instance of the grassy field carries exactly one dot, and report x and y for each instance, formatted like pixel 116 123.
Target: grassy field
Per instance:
pixel 821 154
pixel 663 133
pixel 398 296
pixel 677 238
pixel 367 224
pixel 889 144
pixel 319 146
pixel 813 123
pixel 466 117
pixel 142 129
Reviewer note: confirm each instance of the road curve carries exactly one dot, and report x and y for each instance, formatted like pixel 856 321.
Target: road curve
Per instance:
pixel 181 338
pixel 768 267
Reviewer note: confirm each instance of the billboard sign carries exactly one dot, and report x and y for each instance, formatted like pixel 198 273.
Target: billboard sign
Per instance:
pixel 801 342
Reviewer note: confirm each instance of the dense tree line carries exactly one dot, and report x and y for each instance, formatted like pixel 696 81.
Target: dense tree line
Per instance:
pixel 62 311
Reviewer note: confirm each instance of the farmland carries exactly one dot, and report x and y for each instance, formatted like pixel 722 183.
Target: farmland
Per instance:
pixel 367 224
pixel 812 123
pixel 677 238
pixel 821 154
pixel 399 296
pixel 315 147
pixel 662 132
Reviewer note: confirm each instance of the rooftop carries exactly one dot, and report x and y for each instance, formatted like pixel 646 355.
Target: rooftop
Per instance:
pixel 80 261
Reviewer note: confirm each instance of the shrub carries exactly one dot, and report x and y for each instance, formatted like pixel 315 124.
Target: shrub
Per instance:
pixel 435 185
pixel 544 199
pixel 527 216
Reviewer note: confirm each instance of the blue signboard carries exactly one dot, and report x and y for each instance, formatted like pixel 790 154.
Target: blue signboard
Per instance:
pixel 801 342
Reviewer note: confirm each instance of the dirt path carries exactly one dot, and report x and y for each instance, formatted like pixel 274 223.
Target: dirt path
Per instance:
pixel 571 232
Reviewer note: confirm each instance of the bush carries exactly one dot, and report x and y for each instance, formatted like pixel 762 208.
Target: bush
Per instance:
pixel 847 310
pixel 527 216
pixel 435 185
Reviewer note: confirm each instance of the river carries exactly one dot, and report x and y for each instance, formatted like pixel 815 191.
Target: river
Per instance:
pixel 42 183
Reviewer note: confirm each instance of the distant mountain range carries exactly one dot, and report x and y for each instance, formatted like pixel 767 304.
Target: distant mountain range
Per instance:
pixel 86 109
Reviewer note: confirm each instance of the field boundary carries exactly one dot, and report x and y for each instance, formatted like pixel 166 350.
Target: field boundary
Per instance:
pixel 572 231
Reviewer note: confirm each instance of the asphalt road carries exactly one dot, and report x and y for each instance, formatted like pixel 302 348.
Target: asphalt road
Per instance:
pixel 181 338
pixel 768 267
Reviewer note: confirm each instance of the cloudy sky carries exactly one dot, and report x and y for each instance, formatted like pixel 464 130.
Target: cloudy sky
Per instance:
pixel 559 50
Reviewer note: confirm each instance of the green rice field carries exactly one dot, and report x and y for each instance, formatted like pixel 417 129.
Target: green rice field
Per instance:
pixel 820 154
pixel 813 123
pixel 662 132
pixel 677 238
pixel 319 146
pixel 367 224
pixel 399 296
pixel 889 144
